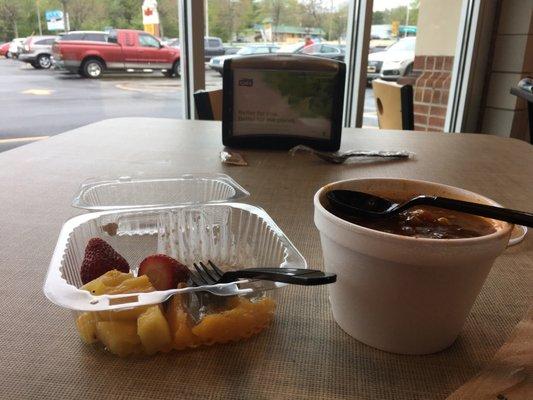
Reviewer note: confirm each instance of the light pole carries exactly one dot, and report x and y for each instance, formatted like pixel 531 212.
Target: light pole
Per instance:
pixel 406 20
pixel 39 17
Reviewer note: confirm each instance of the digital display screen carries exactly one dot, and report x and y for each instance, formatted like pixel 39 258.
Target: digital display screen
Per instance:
pixel 277 102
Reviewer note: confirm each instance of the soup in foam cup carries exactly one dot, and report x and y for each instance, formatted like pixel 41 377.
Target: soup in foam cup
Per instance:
pixel 397 293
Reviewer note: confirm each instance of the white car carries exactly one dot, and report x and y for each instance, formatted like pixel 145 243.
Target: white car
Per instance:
pixel 15 48
pixel 394 62
pixel 217 63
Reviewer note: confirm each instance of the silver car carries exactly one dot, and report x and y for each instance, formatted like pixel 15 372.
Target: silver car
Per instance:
pixel 37 51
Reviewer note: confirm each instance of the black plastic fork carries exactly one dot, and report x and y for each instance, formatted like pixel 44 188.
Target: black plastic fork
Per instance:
pixel 211 275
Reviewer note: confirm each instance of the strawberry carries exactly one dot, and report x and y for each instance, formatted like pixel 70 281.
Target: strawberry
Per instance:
pixel 163 271
pixel 99 258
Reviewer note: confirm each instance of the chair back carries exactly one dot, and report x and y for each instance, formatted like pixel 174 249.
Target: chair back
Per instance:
pixel 394 105
pixel 209 104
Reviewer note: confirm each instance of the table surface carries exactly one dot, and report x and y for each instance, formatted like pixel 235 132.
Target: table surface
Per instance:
pixel 303 354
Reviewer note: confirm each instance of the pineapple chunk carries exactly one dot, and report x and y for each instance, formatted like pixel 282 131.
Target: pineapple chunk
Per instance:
pixel 119 337
pixel 86 324
pixel 139 284
pixel 180 324
pixel 123 315
pixel 104 283
pixel 153 329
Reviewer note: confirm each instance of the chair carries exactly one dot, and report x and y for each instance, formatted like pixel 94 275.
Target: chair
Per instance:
pixel 394 105
pixel 209 104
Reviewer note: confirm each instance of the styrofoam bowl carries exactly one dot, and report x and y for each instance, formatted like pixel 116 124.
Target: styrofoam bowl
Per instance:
pixel 403 294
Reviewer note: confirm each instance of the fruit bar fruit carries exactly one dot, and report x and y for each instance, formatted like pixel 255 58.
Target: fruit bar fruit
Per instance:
pixel 153 329
pixel 99 258
pixel 164 272
pixel 149 329
pixel 119 337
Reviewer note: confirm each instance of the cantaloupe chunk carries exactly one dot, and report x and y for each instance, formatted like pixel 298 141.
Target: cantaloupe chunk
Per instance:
pixel 240 322
pixel 86 324
pixel 153 329
pixel 180 324
pixel 119 337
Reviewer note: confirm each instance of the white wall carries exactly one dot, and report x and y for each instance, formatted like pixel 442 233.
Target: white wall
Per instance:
pixel 438 21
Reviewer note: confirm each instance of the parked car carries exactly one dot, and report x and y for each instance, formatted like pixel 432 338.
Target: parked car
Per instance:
pixel 124 49
pixel 37 51
pixel 4 48
pixel 213 47
pixel 291 47
pixel 15 47
pixel 217 63
pixel 333 51
pixel 394 62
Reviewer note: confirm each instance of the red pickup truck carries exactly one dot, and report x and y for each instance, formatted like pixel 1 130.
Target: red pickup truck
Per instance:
pixel 90 54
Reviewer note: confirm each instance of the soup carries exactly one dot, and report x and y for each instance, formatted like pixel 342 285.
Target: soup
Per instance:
pixel 428 222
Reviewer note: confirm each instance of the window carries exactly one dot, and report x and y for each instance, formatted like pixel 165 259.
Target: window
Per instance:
pixel 407 44
pixel 95 37
pixel 73 36
pixel 329 49
pixel 214 43
pixel 45 42
pixel 315 48
pixel 149 41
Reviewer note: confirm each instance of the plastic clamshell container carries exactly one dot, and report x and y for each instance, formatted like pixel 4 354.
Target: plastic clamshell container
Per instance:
pixel 232 235
pixel 127 192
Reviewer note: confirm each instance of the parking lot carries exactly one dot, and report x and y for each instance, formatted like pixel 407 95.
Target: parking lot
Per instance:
pixel 36 104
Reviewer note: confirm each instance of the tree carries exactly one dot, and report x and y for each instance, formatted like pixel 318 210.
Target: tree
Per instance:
pixel 169 18
pixel 229 17
pixel 10 13
pixel 378 18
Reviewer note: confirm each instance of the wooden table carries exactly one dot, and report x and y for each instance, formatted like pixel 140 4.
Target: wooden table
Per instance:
pixel 304 354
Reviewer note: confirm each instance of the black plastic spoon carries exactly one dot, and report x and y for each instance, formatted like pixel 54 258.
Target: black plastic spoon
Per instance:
pixel 360 204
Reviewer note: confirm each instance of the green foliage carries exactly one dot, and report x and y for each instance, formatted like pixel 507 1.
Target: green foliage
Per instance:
pixel 308 94
pixel 19 17
pixel 399 14
pixel 229 19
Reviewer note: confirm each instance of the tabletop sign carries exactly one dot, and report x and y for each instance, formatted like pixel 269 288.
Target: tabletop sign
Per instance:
pixel 280 101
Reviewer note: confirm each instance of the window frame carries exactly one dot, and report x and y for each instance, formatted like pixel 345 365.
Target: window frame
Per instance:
pixel 192 19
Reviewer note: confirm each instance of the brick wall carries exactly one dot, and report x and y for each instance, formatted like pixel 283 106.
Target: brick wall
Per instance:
pixel 431 89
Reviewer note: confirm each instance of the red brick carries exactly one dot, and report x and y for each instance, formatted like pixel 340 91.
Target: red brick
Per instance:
pixel 447 82
pixel 426 98
pixel 436 122
pixel 436 96
pixel 444 97
pixel 420 62
pixel 439 63
pixel 418 94
pixel 437 111
pixel 421 119
pixel 448 63
pixel 420 127
pixel 421 109
pixel 439 80
pixel 430 63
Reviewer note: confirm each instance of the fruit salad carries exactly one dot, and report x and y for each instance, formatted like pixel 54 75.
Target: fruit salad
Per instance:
pixel 184 321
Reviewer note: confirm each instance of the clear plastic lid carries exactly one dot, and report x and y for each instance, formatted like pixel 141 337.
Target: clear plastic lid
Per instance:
pixel 129 192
